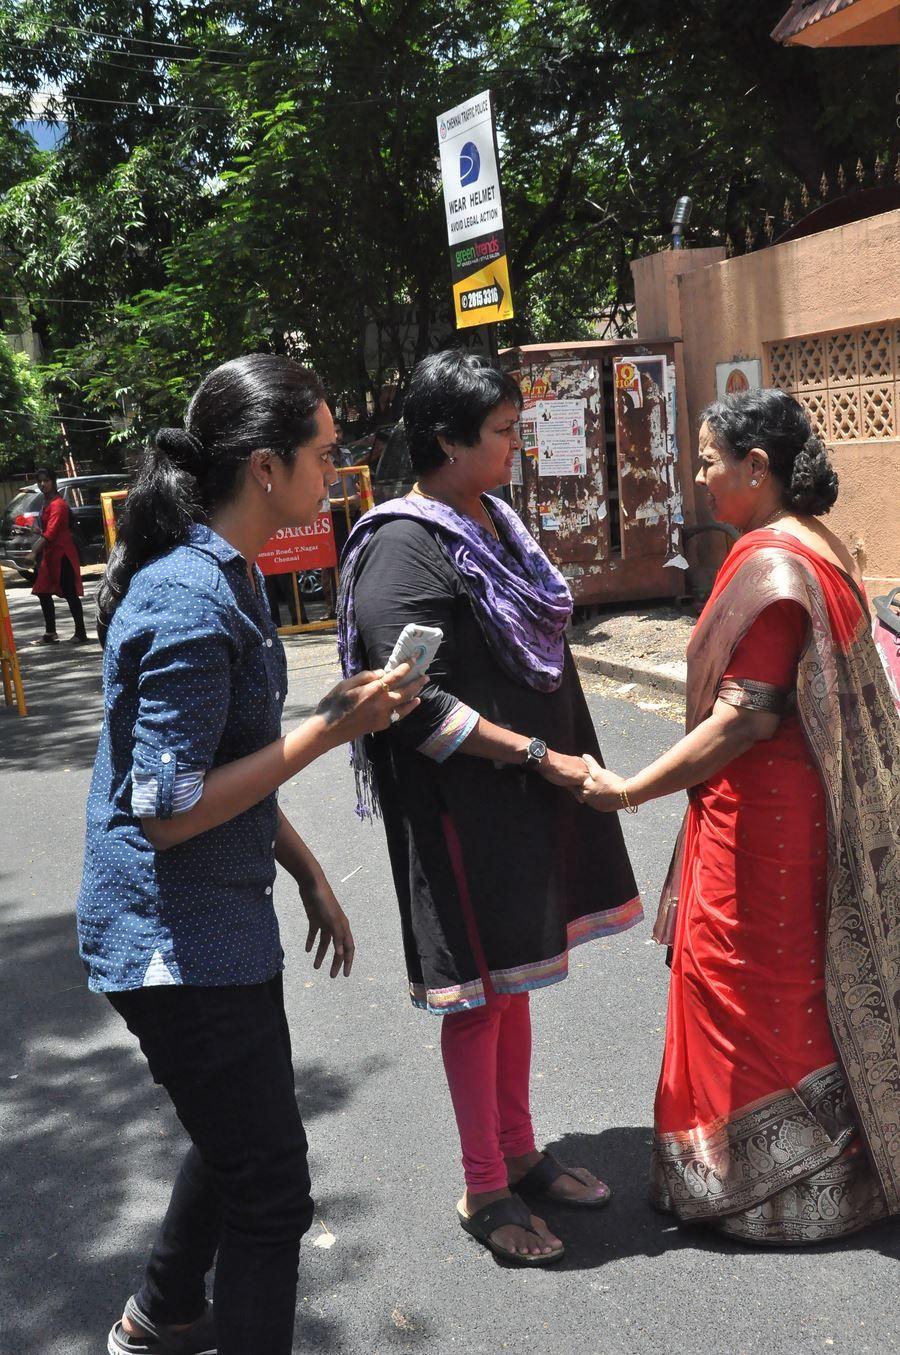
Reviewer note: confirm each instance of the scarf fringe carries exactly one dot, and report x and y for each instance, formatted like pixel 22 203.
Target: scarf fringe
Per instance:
pixel 368 806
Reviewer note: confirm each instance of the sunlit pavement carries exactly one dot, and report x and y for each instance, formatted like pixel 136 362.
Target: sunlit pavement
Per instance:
pixel 90 1147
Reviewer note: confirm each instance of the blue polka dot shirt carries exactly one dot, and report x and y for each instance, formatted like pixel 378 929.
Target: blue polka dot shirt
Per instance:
pixel 194 676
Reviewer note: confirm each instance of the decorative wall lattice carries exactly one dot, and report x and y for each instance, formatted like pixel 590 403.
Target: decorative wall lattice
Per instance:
pixel 848 381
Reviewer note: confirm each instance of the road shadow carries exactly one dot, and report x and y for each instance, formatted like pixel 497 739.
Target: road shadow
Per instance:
pixel 90 1146
pixel 630 1227
pixel 63 691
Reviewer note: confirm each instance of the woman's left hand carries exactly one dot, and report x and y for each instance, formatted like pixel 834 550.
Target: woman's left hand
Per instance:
pixel 602 789
pixel 328 925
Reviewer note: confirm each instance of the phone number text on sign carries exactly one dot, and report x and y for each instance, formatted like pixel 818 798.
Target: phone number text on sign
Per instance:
pixel 484 296
pixel 297 548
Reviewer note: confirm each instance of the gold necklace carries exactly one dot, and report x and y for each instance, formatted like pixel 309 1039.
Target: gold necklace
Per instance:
pixel 773 517
pixel 417 489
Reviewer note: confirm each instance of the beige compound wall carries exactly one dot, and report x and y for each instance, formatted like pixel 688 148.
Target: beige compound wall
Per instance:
pixel 730 309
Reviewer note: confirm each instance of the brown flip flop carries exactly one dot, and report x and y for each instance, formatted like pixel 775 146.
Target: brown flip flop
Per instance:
pixel 509 1210
pixel 539 1180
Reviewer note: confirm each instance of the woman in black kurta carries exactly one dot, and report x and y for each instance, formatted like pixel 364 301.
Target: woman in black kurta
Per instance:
pixel 499 869
pixel 522 839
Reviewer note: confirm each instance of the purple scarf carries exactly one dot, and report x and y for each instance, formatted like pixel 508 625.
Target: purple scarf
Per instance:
pixel 521 601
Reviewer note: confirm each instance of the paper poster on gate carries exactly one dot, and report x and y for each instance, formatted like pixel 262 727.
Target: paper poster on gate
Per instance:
pixel 561 437
pixel 628 379
pixel 528 433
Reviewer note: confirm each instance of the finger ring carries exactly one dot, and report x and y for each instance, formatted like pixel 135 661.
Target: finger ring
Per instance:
pixel 395 716
pixel 384 684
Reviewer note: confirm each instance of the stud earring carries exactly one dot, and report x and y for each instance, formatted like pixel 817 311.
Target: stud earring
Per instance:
pixel 754 483
pixel 452 460
pixel 269 487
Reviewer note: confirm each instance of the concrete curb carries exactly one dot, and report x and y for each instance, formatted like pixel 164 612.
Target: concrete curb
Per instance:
pixel 666 677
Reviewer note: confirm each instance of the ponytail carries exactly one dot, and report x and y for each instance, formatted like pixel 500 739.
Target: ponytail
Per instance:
pixel 262 401
pixel 161 505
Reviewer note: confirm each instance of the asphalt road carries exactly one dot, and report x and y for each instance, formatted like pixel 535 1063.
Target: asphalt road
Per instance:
pixel 90 1146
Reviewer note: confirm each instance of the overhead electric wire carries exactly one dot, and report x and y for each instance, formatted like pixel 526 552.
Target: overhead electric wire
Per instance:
pixel 150 42
pixel 90 59
pixel 90 54
pixel 327 64
pixel 60 418
pixel 328 68
pixel 62 95
pixel 53 300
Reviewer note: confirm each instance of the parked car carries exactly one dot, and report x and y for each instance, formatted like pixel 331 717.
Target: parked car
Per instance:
pixel 18 522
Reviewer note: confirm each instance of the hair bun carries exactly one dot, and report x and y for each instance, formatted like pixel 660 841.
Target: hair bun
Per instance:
pixel 181 447
pixel 814 483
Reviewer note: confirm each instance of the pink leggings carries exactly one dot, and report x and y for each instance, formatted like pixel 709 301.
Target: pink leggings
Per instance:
pixel 487 1059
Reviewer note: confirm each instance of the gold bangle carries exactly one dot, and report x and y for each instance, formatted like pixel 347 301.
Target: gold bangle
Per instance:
pixel 625 802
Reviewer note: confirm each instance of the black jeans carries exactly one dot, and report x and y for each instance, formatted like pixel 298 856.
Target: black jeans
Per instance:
pixel 67 588
pixel 224 1057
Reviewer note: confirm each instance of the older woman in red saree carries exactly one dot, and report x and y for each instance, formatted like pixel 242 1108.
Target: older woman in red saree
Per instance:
pixel 778 1108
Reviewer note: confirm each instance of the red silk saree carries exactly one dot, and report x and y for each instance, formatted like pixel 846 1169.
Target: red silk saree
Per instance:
pixel 778 1108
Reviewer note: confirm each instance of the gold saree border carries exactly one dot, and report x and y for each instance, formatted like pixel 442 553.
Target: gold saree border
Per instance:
pixel 754 695
pixel 851 725
pixel 731 1165
pixel 839 1199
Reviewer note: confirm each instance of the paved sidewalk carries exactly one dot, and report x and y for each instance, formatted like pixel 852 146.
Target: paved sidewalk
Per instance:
pixel 643 645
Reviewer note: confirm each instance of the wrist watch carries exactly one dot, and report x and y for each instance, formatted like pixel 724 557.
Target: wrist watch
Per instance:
pixel 535 753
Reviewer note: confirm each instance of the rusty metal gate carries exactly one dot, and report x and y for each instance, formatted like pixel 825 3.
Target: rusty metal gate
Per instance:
pixel 599 482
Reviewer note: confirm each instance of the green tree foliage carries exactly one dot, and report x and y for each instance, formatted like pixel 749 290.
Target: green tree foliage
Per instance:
pixel 261 173
pixel 28 432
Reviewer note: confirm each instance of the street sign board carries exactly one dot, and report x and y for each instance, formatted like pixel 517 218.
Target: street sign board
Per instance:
pixel 294 548
pixel 470 170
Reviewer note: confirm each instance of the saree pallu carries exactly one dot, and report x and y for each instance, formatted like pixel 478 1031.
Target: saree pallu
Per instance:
pixel 778 1107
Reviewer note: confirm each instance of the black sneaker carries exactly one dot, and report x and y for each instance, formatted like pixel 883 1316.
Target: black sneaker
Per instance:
pixel 198 1339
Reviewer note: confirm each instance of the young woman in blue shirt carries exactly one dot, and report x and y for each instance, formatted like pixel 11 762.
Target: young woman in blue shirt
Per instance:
pixel 175 915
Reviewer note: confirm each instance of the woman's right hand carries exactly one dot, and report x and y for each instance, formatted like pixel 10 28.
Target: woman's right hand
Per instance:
pixel 367 702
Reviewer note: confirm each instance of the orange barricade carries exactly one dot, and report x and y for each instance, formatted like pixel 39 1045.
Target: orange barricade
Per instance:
pixel 303 548
pixel 108 503
pixel 9 659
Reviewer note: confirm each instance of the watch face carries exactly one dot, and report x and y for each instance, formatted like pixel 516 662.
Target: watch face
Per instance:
pixel 537 749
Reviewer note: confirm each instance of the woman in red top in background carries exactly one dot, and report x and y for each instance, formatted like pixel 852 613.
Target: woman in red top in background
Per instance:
pixel 58 567
pixel 776 1111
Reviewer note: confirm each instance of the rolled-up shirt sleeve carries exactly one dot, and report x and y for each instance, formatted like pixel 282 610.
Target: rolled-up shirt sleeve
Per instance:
pixel 187 790
pixel 184 691
pixel 403 578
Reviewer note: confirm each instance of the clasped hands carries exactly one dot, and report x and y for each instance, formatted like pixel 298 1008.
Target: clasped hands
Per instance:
pixel 584 778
